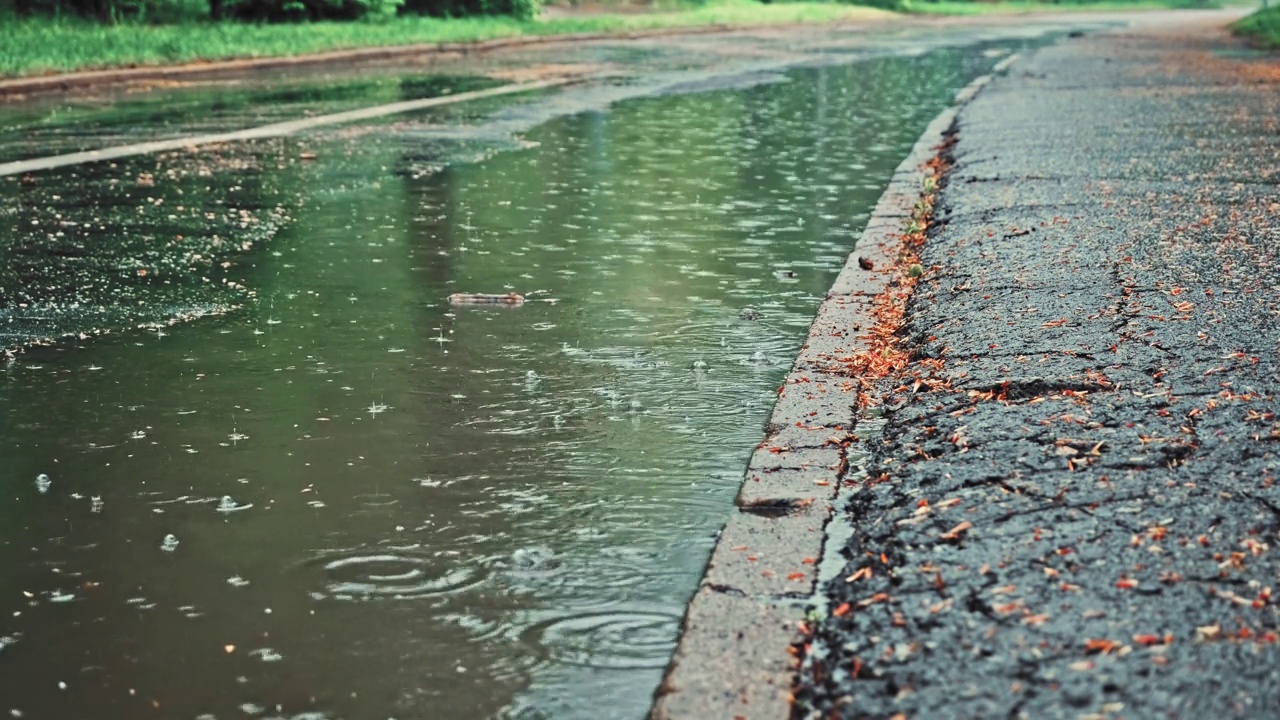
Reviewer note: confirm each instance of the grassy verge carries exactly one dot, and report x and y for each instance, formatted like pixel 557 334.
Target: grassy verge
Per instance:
pixel 963 7
pixel 1263 27
pixel 33 47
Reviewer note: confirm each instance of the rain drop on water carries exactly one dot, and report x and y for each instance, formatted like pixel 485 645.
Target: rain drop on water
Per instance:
pixel 266 655
pixel 228 505
pixel 170 543
pixel 43 483
pixel 534 559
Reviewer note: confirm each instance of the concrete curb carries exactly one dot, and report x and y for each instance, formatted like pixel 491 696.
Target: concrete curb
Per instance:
pixel 20 87
pixel 743 633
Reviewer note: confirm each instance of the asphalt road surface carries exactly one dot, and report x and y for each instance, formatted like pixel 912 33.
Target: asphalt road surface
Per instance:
pixel 1076 516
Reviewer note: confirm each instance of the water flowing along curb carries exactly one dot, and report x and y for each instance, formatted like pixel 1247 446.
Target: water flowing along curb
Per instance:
pixel 743 635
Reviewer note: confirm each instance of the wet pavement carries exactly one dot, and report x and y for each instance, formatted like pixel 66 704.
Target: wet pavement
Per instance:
pixel 1073 513
pixel 334 496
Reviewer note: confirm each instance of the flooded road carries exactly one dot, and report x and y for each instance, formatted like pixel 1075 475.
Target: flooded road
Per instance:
pixel 338 497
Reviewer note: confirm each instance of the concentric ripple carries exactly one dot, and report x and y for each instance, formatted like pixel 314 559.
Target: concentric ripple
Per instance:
pixel 619 640
pixel 393 575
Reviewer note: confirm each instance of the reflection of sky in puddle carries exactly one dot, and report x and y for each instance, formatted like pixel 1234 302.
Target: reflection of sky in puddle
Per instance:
pixel 387 507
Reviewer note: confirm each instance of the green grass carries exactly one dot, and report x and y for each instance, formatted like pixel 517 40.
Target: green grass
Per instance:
pixel 1263 27
pixel 36 46
pixel 39 46
pixel 963 7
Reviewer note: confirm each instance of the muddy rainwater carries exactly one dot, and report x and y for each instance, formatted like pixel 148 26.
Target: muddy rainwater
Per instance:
pixel 336 496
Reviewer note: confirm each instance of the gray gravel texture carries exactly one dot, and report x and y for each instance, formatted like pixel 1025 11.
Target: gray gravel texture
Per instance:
pixel 1085 523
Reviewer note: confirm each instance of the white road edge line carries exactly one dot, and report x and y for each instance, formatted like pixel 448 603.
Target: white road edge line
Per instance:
pixel 266 131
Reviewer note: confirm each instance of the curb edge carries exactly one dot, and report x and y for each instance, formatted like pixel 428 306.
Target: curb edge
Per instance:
pixel 743 632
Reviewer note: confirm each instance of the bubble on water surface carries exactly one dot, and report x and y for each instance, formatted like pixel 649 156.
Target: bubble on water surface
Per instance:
pixel 43 483
pixel 534 559
pixel 228 505
pixel 170 543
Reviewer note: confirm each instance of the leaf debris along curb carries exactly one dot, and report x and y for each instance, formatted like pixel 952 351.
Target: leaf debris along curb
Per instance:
pixel 744 634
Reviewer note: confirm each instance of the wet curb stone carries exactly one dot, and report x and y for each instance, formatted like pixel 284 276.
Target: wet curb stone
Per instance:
pixel 739 642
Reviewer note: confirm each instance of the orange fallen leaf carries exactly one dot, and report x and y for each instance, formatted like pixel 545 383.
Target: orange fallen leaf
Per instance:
pixel 862 574
pixel 1101 646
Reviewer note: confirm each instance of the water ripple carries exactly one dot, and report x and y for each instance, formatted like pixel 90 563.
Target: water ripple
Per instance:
pixel 400 576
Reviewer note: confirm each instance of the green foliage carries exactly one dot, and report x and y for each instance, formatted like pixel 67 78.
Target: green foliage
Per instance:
pixel 108 11
pixel 882 4
pixel 521 9
pixel 1263 27
pixel 294 10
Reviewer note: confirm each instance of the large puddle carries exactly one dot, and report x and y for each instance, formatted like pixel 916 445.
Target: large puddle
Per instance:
pixel 346 499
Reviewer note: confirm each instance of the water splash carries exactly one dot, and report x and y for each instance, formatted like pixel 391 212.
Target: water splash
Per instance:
pixel 228 505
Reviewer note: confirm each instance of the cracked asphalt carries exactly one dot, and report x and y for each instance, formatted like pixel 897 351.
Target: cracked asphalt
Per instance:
pixel 1077 515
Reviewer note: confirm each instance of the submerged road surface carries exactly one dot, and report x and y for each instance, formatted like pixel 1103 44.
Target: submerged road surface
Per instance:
pixel 1077 515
